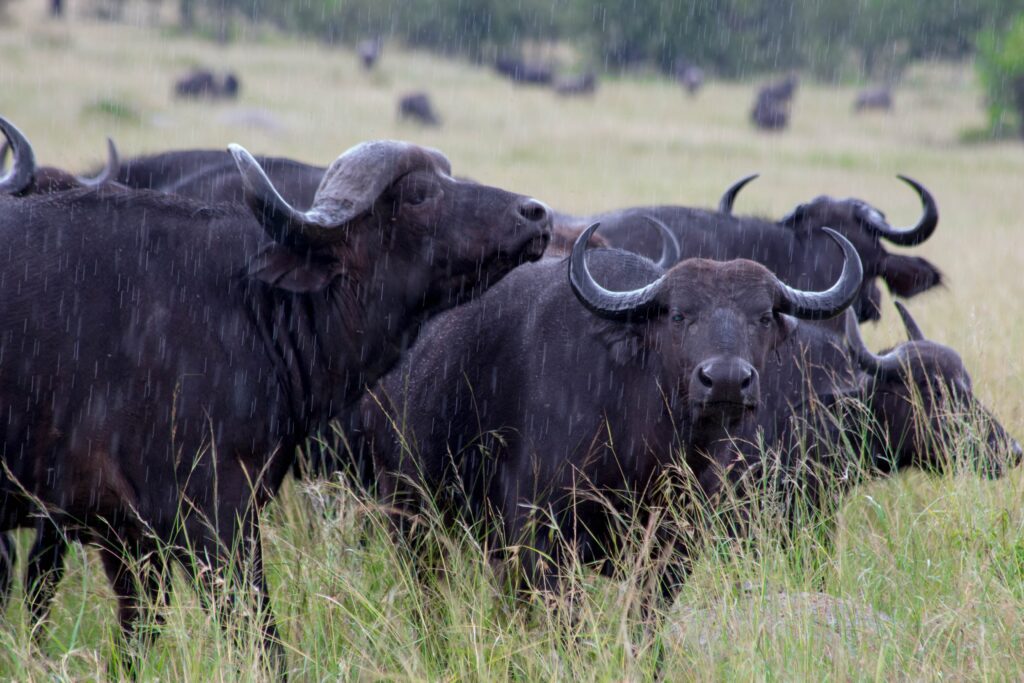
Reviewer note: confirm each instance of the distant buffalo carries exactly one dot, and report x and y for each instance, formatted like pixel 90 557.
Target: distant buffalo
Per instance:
pixel 772 106
pixel 369 52
pixel 690 76
pixel 879 97
pixel 583 84
pixel 201 82
pixel 417 106
pixel 521 71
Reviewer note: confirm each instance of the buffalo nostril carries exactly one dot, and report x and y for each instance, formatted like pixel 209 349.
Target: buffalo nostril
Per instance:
pixel 704 378
pixel 745 384
pixel 533 211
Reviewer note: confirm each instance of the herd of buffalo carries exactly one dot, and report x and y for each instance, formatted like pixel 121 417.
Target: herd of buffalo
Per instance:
pixel 175 327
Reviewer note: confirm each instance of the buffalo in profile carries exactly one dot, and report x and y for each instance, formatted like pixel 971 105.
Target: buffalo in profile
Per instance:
pixel 418 107
pixel 794 247
pixel 138 440
pixel 879 97
pixel 521 71
pixel 583 84
pixel 204 83
pixel 545 403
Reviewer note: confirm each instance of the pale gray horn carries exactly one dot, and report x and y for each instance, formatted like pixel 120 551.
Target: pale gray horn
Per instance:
pixel 603 302
pixel 23 167
pixel 832 301
pixel 670 249
pixel 913 331
pixel 109 171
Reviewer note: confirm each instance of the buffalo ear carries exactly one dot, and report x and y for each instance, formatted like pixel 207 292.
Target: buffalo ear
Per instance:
pixel 787 325
pixel 293 271
pixel 909 275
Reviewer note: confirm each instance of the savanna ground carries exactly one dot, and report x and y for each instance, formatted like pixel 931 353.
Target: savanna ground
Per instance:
pixel 942 556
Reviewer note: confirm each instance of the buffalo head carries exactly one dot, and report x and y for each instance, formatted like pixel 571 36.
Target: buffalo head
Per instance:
pixel 713 323
pixel 866 227
pixel 392 211
pixel 25 178
pixel 922 397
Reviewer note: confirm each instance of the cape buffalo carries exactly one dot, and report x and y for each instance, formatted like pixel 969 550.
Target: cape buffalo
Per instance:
pixel 583 84
pixel 369 52
pixel 522 71
pixel 26 178
pixel 201 82
pixel 831 399
pixel 163 358
pixel 772 105
pixel 525 402
pixel 793 248
pixel 690 76
pixel 417 106
pixel 211 175
pixel 879 97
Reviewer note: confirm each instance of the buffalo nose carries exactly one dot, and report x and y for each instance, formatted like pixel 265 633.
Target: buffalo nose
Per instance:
pixel 725 380
pixel 534 211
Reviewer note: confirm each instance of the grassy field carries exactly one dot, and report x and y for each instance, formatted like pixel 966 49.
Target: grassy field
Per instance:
pixel 941 557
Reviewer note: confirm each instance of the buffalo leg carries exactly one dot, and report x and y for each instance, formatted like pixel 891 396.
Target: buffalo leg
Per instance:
pixel 44 571
pixel 127 569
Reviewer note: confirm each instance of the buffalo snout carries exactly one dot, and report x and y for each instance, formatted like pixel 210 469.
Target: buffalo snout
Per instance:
pixel 533 211
pixel 725 380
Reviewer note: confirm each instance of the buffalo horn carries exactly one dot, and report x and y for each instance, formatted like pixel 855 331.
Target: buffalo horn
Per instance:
pixel 908 237
pixel 603 302
pixel 868 361
pixel 832 301
pixel 913 331
pixel 109 171
pixel 348 189
pixel 670 249
pixel 23 168
pixel 726 202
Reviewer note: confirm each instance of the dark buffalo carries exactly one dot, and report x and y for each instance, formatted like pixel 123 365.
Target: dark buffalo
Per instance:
pixel 211 175
pixel 369 52
pixel 417 106
pixel 772 105
pixel 201 82
pixel 794 248
pixel 879 97
pixel 26 178
pixel 583 84
pixel 837 410
pixel 182 351
pixel 526 404
pixel 690 76
pixel 522 71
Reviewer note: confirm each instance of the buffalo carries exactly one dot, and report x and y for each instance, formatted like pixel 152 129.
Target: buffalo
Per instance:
pixel 583 84
pixel 832 400
pixel 772 105
pixel 181 351
pixel 879 97
pixel 794 248
pixel 543 392
pixel 26 178
pixel 369 52
pixel 690 76
pixel 204 83
pixel 417 106
pixel 522 71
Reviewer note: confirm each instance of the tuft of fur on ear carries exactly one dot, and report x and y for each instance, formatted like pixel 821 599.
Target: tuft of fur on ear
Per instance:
pixel 292 271
pixel 909 275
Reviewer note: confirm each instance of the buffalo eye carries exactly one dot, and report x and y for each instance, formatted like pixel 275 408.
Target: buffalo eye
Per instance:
pixel 678 317
pixel 767 318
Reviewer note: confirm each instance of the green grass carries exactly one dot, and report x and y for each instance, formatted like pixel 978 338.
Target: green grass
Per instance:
pixel 943 557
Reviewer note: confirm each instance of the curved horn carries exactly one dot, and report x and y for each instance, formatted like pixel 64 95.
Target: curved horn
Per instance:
pixel 279 219
pixel 109 171
pixel 670 249
pixel 23 168
pixel 5 149
pixel 596 298
pixel 908 237
pixel 831 302
pixel 868 361
pixel 726 202
pixel 913 331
